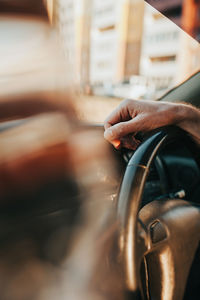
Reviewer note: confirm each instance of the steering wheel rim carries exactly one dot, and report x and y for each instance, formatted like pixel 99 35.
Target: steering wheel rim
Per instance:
pixel 130 197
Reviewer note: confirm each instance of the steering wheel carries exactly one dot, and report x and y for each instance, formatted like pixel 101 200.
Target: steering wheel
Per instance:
pixel 157 230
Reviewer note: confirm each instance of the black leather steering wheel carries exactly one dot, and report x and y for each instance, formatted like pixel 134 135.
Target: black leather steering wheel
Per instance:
pixel 136 237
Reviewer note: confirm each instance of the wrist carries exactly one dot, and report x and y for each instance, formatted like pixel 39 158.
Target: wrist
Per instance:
pixel 190 121
pixel 184 114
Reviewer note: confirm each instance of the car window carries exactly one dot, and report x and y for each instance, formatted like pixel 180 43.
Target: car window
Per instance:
pixel 185 14
pixel 125 49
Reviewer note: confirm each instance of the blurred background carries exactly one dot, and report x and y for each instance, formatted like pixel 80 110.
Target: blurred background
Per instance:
pixel 58 182
pixel 126 48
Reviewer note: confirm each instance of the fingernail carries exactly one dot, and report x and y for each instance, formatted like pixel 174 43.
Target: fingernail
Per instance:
pixel 116 144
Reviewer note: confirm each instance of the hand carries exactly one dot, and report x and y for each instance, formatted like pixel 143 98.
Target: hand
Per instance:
pixel 133 116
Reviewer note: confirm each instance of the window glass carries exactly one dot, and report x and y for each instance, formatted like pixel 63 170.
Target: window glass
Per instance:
pixel 126 49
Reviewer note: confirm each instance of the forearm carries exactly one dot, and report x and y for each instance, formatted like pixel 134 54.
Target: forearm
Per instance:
pixel 134 116
pixel 188 118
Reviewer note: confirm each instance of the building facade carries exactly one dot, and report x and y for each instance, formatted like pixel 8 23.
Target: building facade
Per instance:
pixel 104 35
pixel 184 13
pixel 110 42
pixel 160 49
pixel 72 18
pixel 115 40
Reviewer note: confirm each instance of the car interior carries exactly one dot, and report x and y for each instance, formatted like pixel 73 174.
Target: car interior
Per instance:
pixel 157 204
pixel 155 193
pixel 160 190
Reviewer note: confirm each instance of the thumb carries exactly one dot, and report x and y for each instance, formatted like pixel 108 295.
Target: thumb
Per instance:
pixel 121 129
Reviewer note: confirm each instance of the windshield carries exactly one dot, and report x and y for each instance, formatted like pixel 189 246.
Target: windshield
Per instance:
pixel 125 49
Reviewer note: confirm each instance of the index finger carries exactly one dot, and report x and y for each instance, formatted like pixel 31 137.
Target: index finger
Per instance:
pixel 119 114
pixel 112 119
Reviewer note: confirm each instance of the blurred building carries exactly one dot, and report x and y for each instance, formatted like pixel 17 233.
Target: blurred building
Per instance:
pixel 116 32
pixel 160 49
pixel 131 29
pixel 189 57
pixel 184 13
pixel 83 10
pixel 73 21
pixel 124 44
pixel 63 18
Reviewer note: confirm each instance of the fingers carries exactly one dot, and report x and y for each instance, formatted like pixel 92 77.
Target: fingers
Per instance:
pixel 116 143
pixel 117 131
pixel 134 116
pixel 113 118
pixel 120 114
pixel 130 142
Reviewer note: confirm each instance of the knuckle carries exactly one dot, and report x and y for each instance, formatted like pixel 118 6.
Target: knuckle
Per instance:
pixel 126 102
pixel 119 130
